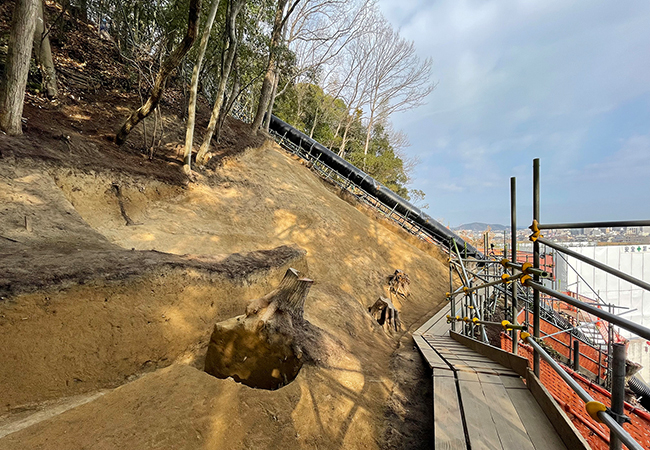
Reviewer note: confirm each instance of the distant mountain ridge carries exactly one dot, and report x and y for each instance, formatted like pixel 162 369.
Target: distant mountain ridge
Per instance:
pixel 480 226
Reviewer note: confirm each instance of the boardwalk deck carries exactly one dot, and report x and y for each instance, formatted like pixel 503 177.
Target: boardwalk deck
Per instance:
pixel 478 403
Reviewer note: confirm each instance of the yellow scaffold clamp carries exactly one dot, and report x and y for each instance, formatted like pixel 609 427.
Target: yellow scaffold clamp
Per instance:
pixel 466 290
pixel 535 229
pixel 525 266
pixel 524 335
pixel 475 320
pixel 505 278
pixel 505 324
pixel 525 278
pixel 593 408
pixel 504 262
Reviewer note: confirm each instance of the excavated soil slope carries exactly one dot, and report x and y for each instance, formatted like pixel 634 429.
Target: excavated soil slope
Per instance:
pixel 370 394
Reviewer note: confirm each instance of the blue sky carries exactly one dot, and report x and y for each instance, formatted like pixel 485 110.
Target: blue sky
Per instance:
pixel 568 82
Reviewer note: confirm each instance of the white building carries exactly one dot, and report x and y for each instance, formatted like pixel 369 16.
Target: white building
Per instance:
pixel 584 279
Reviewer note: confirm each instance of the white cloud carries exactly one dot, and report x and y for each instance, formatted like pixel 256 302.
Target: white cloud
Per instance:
pixel 521 79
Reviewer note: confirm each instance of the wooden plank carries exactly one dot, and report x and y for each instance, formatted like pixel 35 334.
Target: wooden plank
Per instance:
pixel 510 429
pixel 480 425
pixel 506 359
pixel 467 376
pixel 539 428
pixel 432 358
pixel 563 426
pixel 448 424
pixel 444 373
pixel 440 325
pixel 489 378
pixel 513 382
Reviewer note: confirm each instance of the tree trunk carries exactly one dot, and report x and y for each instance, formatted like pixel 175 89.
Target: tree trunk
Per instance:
pixel 344 139
pixel 313 125
pixel 166 68
pixel 234 93
pixel 191 109
pixel 289 297
pixel 269 111
pixel 366 146
pixel 21 37
pixel 43 55
pixel 228 58
pixel 336 134
pixel 269 78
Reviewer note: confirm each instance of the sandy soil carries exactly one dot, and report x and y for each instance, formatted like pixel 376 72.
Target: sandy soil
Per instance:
pixel 114 268
pixel 375 394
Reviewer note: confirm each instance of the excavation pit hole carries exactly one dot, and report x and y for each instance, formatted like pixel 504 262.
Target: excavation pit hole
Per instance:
pixel 255 358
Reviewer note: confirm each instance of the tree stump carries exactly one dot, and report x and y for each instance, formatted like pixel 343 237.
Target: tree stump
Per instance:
pixel 386 314
pixel 398 284
pixel 264 348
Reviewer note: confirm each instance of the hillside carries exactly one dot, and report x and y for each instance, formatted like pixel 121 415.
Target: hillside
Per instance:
pixel 114 268
pixel 480 226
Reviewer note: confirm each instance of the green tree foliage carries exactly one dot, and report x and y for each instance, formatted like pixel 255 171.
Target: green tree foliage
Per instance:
pixel 308 108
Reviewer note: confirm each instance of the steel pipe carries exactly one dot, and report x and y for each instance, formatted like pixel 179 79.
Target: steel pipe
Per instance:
pixel 614 427
pixel 471 299
pixel 593 262
pixel 536 301
pixel 513 243
pixel 529 270
pixel 369 185
pixel 613 224
pixel 607 316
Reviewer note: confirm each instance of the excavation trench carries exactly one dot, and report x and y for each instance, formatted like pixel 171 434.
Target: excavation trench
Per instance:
pixel 264 363
pixel 265 347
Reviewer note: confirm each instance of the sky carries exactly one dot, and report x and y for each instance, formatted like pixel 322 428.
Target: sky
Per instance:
pixel 564 81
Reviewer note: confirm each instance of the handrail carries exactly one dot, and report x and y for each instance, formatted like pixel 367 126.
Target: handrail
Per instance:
pixel 596 410
pixel 530 276
pixel 609 317
pixel 504 279
pixel 612 224
pixel 595 263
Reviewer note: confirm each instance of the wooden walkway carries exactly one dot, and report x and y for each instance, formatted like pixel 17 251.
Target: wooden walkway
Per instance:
pixel 477 403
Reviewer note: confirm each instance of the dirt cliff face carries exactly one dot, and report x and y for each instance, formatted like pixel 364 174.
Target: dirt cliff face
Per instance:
pixel 130 299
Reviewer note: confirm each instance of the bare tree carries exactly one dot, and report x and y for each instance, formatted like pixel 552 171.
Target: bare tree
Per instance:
pixel 191 109
pixel 397 78
pixel 316 33
pixel 43 55
pixel 169 64
pixel 228 56
pixel 21 37
pixel 283 11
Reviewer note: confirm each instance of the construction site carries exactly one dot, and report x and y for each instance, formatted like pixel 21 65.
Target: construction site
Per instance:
pixel 283 298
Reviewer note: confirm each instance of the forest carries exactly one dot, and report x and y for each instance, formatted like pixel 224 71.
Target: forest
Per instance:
pixel 335 69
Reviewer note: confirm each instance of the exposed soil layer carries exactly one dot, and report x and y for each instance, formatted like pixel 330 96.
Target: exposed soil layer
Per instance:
pixel 115 266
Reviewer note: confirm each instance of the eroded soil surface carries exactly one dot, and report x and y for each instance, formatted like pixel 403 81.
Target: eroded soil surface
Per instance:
pixel 114 268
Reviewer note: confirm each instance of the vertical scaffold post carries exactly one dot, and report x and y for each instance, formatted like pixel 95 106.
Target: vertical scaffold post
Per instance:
pixel 618 391
pixel 536 263
pixel 576 355
pixel 451 289
pixel 513 244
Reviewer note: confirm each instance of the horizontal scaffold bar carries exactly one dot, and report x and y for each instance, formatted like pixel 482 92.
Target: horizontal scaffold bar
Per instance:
pixel 613 224
pixel 596 410
pixel 598 264
pixel 609 317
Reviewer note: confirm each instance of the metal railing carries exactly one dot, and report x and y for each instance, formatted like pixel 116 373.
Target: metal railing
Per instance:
pixel 527 278
pixel 360 194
